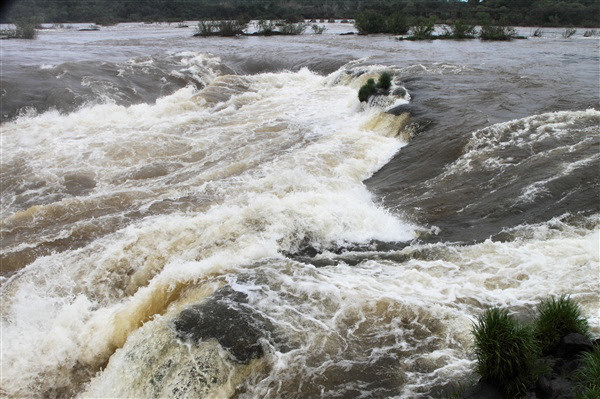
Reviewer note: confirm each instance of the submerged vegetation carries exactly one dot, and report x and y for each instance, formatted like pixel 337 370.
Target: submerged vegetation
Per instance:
pixel 488 32
pixel 512 356
pixel 24 29
pixel 221 28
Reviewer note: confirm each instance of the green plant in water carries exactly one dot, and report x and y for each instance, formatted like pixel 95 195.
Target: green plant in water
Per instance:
pixel 367 90
pixel 25 29
pixel 397 24
pixel 265 27
pixel 318 29
pixel 488 32
pixel 506 351
pixel 587 377
pixel 423 29
pixel 557 318
pixel 293 29
pixel 569 32
pixel 385 81
pixel 460 30
pixel 370 22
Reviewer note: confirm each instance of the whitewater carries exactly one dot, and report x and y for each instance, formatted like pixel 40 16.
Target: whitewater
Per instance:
pixel 205 222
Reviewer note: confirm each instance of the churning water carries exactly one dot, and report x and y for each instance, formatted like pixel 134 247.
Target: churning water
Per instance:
pixel 217 218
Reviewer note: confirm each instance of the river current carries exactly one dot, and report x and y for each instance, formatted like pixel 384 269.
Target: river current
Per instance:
pixel 222 218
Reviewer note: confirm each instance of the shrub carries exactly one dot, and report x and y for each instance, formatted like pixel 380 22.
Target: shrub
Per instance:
pixel 25 29
pixel 538 32
pixel 557 318
pixel 569 32
pixel 488 32
pixel 293 29
pixel 423 29
pixel 505 351
pixel 460 30
pixel 318 29
pixel 590 33
pixel 397 24
pixel 221 28
pixel 587 377
pixel 385 81
pixel 367 90
pixel 206 28
pixel 265 27
pixel 370 22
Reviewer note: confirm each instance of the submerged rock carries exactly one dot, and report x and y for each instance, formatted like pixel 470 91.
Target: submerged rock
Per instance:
pixel 227 318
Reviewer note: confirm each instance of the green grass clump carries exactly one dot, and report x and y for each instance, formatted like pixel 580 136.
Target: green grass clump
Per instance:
pixel 370 88
pixel 385 81
pixel 367 90
pixel 506 351
pixel 557 318
pixel 587 377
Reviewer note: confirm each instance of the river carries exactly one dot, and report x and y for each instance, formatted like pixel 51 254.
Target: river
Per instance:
pixel 221 217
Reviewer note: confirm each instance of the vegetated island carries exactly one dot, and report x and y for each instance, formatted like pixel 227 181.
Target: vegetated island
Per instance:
pixel 286 17
pixel 553 356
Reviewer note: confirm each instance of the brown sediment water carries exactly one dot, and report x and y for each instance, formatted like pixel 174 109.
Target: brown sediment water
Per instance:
pixel 326 247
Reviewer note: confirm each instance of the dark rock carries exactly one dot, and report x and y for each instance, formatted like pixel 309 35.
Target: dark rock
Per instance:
pixel 569 367
pixel 483 390
pixel 402 108
pixel 554 387
pixel 573 344
pixel 400 92
pixel 227 318
pixel 346 33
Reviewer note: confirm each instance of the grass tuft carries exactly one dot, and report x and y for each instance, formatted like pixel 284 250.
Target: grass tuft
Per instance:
pixel 385 81
pixel 587 377
pixel 367 90
pixel 506 351
pixel 557 318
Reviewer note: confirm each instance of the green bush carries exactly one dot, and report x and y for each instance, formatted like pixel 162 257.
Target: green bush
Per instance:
pixel 569 32
pixel 460 30
pixel 318 29
pixel 423 29
pixel 370 22
pixel 587 377
pixel 25 29
pixel 293 29
pixel 266 27
pixel 506 351
pixel 221 28
pixel 397 24
pixel 367 90
pixel 489 32
pixel 557 318
pixel 385 81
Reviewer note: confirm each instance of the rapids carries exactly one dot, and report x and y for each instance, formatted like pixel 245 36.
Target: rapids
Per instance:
pixel 186 217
